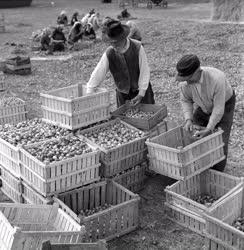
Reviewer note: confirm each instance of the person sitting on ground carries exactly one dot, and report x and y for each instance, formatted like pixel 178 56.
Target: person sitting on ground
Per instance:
pixel 58 40
pixel 127 61
pixel 89 32
pixel 84 20
pixel 134 31
pixel 124 14
pixel 94 21
pixel 62 18
pixel 74 18
pixel 45 39
pixel 209 90
pixel 76 33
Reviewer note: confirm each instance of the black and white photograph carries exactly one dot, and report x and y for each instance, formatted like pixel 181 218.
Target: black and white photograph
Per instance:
pixel 122 124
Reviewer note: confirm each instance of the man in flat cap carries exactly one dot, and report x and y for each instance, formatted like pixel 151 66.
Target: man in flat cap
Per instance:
pixel 213 97
pixel 126 60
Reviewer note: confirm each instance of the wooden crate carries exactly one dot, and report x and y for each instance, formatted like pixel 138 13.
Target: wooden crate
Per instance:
pixel 18 65
pixel 31 196
pixel 59 176
pixel 25 227
pixel 11 186
pixel 9 157
pixel 220 234
pixel 100 245
pixel 160 112
pixel 121 158
pixel 180 202
pixel 157 130
pixel 133 179
pixel 121 218
pixel 178 155
pixel 72 108
pixel 13 114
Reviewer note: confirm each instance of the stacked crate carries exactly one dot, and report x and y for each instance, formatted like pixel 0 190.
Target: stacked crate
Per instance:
pixel 72 108
pixel 179 155
pixel 152 125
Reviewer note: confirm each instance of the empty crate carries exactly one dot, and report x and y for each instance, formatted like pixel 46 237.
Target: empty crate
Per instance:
pixel 178 155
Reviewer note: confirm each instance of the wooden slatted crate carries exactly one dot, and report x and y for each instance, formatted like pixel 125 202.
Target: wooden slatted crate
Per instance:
pixel 178 155
pixel 159 113
pixel 120 158
pixel 31 196
pixel 119 219
pixel 59 176
pixel 180 197
pixel 100 245
pixel 26 226
pixel 72 108
pixel 220 232
pixel 11 186
pixel 157 130
pixel 133 179
pixel 20 65
pixel 13 114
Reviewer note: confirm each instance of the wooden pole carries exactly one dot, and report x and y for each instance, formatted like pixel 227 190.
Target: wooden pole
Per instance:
pixel 2 25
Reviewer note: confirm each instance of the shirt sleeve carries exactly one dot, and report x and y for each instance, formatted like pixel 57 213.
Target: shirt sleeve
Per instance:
pixel 186 102
pixel 99 73
pixel 144 76
pixel 218 103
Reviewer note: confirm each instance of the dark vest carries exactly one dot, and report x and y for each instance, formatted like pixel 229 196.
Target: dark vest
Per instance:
pixel 125 67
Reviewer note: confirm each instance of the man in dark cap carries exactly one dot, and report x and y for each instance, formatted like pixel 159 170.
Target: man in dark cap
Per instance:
pixel 208 89
pixel 126 60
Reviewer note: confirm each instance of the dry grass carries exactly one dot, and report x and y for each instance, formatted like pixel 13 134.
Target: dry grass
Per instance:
pixel 228 10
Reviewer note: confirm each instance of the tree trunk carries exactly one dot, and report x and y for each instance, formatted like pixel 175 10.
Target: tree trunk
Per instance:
pixel 228 10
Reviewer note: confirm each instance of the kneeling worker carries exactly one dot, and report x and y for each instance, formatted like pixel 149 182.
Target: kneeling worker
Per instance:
pixel 208 89
pixel 126 60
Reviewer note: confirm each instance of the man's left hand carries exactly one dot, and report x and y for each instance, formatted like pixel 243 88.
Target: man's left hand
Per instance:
pixel 136 100
pixel 202 133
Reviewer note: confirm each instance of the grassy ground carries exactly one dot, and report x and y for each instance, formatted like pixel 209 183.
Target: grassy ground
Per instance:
pixel 167 34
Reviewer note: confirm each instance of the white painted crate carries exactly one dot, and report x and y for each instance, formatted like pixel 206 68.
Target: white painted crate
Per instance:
pixel 59 176
pixel 72 108
pixel 25 227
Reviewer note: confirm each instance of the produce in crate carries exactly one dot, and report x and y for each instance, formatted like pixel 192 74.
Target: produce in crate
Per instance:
pixel 89 212
pixel 58 150
pixel 30 131
pixel 10 101
pixel 113 135
pixel 136 113
pixel 206 200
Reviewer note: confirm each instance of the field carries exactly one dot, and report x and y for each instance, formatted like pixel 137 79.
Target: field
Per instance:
pixel 167 35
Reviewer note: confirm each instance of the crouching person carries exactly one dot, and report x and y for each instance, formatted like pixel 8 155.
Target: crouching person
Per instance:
pixel 76 33
pixel 126 60
pixel 209 90
pixel 58 40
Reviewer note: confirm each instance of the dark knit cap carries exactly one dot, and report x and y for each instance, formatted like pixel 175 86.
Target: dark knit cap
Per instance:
pixel 187 65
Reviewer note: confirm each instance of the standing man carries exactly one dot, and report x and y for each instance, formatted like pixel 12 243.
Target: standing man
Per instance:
pixel 208 89
pixel 126 60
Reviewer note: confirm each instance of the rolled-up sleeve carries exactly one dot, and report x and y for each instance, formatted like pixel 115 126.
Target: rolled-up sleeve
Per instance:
pixel 144 76
pixel 218 103
pixel 99 73
pixel 186 102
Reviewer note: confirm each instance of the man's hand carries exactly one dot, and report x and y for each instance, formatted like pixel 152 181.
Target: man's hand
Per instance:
pixel 202 133
pixel 188 125
pixel 136 100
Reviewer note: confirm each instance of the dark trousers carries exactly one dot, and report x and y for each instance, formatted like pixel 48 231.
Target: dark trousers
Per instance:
pixel 201 118
pixel 121 98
